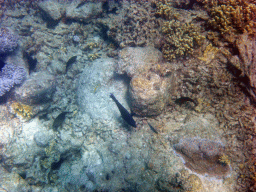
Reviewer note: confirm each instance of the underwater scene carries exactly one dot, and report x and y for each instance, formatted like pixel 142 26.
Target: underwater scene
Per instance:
pixel 127 96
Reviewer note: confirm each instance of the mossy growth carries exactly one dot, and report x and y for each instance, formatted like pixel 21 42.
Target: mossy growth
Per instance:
pixel 181 39
pixel 22 110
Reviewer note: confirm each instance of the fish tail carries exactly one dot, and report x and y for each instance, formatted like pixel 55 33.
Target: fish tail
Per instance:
pixel 113 97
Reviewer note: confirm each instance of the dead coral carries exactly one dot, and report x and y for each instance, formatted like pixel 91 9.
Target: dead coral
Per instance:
pixel 133 25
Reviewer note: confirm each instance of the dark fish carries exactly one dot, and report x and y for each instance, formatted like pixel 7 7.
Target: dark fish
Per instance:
pixel 70 62
pixel 58 121
pixel 152 128
pixel 124 113
pixel 182 100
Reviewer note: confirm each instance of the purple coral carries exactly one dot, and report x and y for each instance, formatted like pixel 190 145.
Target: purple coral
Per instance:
pixel 8 40
pixel 11 75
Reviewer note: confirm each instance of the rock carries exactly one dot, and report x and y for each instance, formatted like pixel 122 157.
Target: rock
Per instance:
pixel 149 94
pixel 43 139
pixel 83 11
pixel 203 156
pixel 94 88
pixel 52 9
pixel 135 60
pixel 37 89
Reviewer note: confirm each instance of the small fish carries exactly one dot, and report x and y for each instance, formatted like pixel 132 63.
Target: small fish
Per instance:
pixel 124 113
pixel 182 100
pixel 70 62
pixel 152 128
pixel 58 121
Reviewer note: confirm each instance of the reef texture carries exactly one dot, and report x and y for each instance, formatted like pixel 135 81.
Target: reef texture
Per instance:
pixel 135 60
pixel 151 79
pixel 203 156
pixel 52 9
pixel 245 63
pixel 39 88
pixel 181 39
pixel 84 12
pixel 134 25
pixel 149 94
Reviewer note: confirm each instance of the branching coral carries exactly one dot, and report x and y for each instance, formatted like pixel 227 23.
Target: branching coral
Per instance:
pixel 232 16
pixel 181 39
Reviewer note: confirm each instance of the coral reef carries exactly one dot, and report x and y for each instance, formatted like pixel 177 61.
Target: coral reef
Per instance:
pixel 38 88
pixel 181 39
pixel 149 94
pixel 231 17
pixel 151 79
pixel 134 25
pixel 8 40
pixel 209 53
pixel 136 60
pixel 10 76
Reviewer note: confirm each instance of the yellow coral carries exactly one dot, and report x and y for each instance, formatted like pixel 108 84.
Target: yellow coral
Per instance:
pixel 93 56
pixel 25 111
pixel 181 39
pixel 92 45
pixel 232 16
pixel 167 11
pixel 209 54
pixel 224 159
